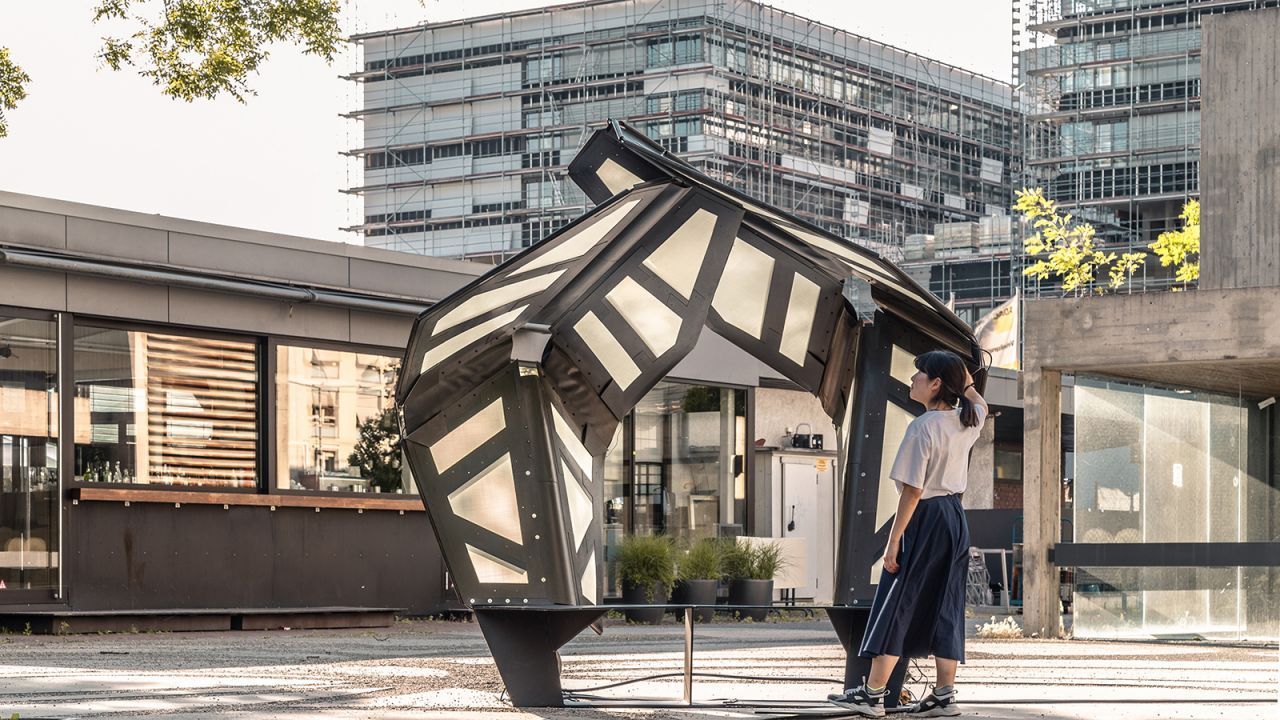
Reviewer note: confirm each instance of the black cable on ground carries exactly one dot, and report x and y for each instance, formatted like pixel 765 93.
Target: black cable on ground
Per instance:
pixel 705 674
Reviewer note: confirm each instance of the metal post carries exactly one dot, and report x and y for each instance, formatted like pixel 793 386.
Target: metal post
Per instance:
pixel 688 655
pixel 65 383
pixel 1004 583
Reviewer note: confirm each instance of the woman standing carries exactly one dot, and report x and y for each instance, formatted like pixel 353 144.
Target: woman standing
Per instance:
pixel 919 605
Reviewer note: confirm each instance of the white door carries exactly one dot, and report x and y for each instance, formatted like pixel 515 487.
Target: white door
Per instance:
pixel 805 516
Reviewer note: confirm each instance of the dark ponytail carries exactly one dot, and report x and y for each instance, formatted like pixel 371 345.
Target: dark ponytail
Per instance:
pixel 946 366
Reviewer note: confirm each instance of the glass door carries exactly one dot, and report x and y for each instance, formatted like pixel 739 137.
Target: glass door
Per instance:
pixel 28 458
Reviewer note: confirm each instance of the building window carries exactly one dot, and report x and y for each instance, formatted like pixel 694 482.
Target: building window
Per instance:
pixel 161 409
pixel 336 426
pixel 28 454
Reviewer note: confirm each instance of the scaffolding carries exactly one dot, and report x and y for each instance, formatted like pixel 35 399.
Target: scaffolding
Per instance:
pixel 470 125
pixel 1109 94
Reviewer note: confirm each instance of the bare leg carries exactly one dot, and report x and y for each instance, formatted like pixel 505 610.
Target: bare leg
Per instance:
pixel 946 671
pixel 881 668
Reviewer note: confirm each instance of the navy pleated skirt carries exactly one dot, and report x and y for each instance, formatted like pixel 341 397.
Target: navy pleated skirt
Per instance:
pixel 919 610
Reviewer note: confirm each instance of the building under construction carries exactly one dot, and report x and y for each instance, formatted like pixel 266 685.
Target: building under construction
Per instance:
pixel 468 126
pixel 1110 92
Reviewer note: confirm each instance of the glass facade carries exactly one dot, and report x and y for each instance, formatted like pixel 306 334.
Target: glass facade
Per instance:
pixel 336 426
pixel 469 128
pixel 29 477
pixel 1111 103
pixel 1161 465
pixel 677 467
pixel 156 408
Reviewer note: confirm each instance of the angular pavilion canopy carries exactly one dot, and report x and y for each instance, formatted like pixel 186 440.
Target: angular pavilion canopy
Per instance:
pixel 512 387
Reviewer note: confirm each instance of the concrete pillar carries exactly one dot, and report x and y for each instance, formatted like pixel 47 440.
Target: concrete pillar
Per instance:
pixel 980 493
pixel 1042 496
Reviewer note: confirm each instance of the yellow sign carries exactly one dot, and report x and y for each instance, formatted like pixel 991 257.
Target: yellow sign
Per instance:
pixel 823 464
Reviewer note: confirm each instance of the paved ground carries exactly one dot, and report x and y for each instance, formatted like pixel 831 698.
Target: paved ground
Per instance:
pixel 433 669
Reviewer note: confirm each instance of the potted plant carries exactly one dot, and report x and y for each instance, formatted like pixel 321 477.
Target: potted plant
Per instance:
pixel 646 569
pixel 751 569
pixel 698 575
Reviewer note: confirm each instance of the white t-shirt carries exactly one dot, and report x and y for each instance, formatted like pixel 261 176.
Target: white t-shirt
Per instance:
pixel 934 454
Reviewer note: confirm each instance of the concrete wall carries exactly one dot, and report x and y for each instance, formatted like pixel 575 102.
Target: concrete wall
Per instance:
pixel 1240 150
pixel 1167 327
pixel 777 410
pixel 980 494
pixel 91 232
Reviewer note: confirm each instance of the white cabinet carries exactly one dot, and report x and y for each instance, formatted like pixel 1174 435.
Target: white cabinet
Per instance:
pixel 796 499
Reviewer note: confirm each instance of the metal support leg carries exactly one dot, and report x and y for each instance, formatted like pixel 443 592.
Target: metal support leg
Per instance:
pixel 524 641
pixel 850 623
pixel 688 656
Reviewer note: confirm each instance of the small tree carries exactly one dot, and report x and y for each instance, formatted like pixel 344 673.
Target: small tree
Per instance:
pixel 1182 247
pixel 377 452
pixel 1068 247
pixel 1071 256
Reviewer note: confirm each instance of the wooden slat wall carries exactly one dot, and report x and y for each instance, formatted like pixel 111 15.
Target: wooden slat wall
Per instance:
pixel 221 377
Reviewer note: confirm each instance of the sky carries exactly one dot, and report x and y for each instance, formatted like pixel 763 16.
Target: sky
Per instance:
pixel 88 134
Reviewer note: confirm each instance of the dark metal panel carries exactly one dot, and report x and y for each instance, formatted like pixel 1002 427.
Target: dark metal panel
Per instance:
pixel 766 348
pixel 156 556
pixel 623 259
pixel 541 554
pixel 856 548
pixel 421 337
pixel 66 441
pixel 1209 554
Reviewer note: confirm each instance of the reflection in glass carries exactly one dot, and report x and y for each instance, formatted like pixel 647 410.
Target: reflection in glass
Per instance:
pixel 28 454
pixel 155 408
pixel 685 477
pixel 1161 465
pixel 336 423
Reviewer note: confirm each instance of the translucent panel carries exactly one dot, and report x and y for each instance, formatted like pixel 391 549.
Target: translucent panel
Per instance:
pixel 458 342
pixel 577 451
pixel 478 305
pixel 589 583
pixel 896 420
pixel 489 500
pixel 902 365
pixel 743 291
pixel 495 571
pixel 655 323
pixel 580 506
pixel 621 368
pixel 679 259
pixel 798 325
pixel 577 244
pixel 1142 450
pixel 467 437
pixel 1108 461
pixel 1159 465
pixel 1223 603
pixel 1176 463
pixel 615 177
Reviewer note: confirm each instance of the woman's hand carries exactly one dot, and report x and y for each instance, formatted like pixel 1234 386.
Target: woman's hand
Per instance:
pixel 891 555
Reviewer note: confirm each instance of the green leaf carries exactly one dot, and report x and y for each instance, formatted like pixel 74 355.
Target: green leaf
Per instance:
pixel 13 87
pixel 209 48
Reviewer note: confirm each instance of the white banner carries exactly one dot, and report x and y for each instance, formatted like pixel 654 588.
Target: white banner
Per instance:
pixel 997 332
